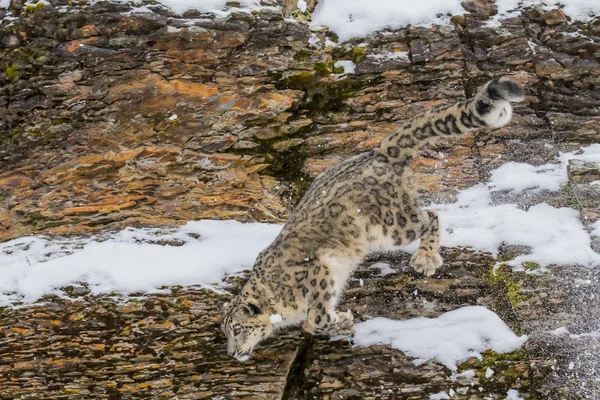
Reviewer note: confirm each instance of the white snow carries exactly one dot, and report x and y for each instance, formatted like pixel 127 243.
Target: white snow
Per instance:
pixel 512 394
pixel 518 177
pixel 348 66
pixel 301 5
pixel 596 228
pixel 275 318
pixel 469 374
pixel 314 41
pixel 384 268
pixel 555 235
pixel 562 331
pixel 390 55
pixel 128 263
pixel 488 373
pixel 4 3
pixel 357 18
pixel 451 338
pixel 439 396
pixel 576 9
pixel 215 6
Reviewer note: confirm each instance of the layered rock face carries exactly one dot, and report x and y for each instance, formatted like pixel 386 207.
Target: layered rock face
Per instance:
pixel 113 116
pixel 109 117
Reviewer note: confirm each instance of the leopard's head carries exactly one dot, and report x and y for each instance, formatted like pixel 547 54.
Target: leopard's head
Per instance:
pixel 245 325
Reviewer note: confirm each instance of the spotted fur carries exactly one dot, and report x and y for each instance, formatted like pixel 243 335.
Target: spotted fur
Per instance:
pixel 366 203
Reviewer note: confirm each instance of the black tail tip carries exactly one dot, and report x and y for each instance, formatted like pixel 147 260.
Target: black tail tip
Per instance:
pixel 505 89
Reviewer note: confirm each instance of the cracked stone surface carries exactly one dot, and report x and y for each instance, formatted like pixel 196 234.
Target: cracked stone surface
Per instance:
pixel 112 118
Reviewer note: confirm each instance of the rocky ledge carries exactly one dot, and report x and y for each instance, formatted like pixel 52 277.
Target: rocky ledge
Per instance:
pixel 113 115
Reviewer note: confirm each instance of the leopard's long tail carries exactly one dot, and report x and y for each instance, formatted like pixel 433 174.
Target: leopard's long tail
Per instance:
pixel 490 108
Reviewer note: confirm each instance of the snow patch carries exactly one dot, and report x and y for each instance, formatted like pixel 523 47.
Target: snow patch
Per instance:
pixel 468 374
pixel 4 3
pixel 518 177
pixel 131 261
pixel 562 331
pixel 384 268
pixel 576 9
pixel 301 5
pixel 596 228
pixel 439 396
pixel 451 338
pixel 512 394
pixel 390 55
pixel 348 66
pixel 217 7
pixel 555 235
pixel 357 18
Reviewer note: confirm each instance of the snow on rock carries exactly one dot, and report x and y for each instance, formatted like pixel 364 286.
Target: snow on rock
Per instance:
pixel 384 268
pixel 562 331
pixel 301 5
pixel 130 262
pixel 348 66
pixel 215 6
pixel 439 396
pixel 518 177
pixel 555 235
pixel 357 18
pixel 576 9
pixel 390 55
pixel 451 338
pixel 468 374
pixel 596 228
pixel 513 395
pixel 4 3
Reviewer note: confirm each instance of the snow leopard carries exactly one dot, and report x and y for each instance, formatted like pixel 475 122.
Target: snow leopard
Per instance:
pixel 365 204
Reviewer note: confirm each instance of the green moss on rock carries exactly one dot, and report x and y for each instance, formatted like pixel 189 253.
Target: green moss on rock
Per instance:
pixel 358 53
pixel 324 69
pixel 302 56
pixel 530 266
pixel 11 72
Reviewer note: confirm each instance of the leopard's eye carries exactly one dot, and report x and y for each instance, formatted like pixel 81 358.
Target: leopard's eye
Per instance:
pixel 237 331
